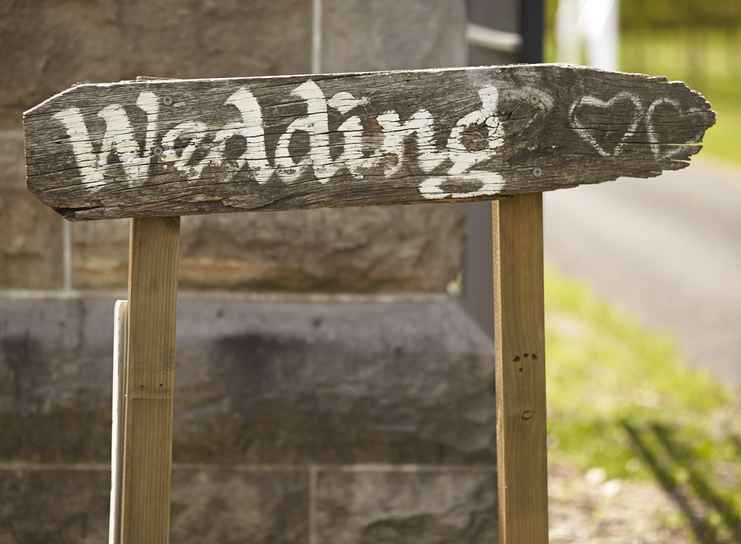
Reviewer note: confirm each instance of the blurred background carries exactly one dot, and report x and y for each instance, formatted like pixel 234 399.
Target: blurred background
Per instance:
pixel 335 367
pixel 644 318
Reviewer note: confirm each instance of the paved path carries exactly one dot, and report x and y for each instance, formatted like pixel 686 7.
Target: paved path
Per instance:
pixel 667 250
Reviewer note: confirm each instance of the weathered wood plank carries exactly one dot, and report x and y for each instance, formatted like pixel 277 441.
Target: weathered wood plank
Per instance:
pixel 520 370
pixel 150 381
pixel 175 147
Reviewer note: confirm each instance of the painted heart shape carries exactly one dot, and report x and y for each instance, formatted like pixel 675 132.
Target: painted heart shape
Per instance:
pixel 660 148
pixel 591 135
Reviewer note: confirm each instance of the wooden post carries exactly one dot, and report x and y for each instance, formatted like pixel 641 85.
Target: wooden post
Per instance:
pixel 150 381
pixel 520 369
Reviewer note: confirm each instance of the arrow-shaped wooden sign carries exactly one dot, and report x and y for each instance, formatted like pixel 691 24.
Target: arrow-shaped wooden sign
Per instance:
pixel 175 147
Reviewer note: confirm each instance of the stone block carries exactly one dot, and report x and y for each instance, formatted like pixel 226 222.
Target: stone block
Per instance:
pixel 388 34
pixel 317 250
pixel 51 44
pixel 233 506
pixel 390 249
pixel 359 250
pixel 31 245
pixel 331 250
pixel 396 506
pixel 412 249
pixel 69 505
pixel 361 381
pixel 53 504
pixel 100 254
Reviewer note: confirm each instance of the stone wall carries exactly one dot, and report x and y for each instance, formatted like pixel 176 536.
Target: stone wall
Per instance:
pixel 51 44
pixel 353 421
pixel 301 418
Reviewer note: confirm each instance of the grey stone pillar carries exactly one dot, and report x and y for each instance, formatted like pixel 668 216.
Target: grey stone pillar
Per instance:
pixel 300 418
pixel 53 44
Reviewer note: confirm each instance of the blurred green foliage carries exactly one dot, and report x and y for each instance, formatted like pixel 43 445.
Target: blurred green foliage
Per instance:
pixel 622 399
pixel 695 41
pixel 669 14
pixel 679 14
pixel 708 61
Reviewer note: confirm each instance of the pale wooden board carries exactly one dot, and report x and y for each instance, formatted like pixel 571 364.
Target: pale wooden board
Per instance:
pixel 520 370
pixel 120 335
pixel 175 147
pixel 150 381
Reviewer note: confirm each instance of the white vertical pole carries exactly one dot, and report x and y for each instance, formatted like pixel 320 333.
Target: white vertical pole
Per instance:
pixel 316 37
pixel 120 325
pixel 600 27
pixel 590 23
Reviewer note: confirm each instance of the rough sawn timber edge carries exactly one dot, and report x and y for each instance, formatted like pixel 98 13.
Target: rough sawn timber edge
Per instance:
pixel 178 147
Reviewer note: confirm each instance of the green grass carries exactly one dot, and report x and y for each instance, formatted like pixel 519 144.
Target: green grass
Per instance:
pixel 723 141
pixel 709 62
pixel 706 59
pixel 621 398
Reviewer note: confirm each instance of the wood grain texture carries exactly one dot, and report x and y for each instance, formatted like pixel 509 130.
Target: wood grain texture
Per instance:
pixel 520 370
pixel 175 147
pixel 118 409
pixel 150 381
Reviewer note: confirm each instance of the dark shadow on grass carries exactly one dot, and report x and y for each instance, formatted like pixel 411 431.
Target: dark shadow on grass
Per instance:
pixel 736 445
pixel 684 455
pixel 640 440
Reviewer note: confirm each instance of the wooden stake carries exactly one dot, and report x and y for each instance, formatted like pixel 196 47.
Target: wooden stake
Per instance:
pixel 520 369
pixel 150 381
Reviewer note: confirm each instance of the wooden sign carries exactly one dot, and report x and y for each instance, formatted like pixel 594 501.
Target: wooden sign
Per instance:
pixel 175 147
